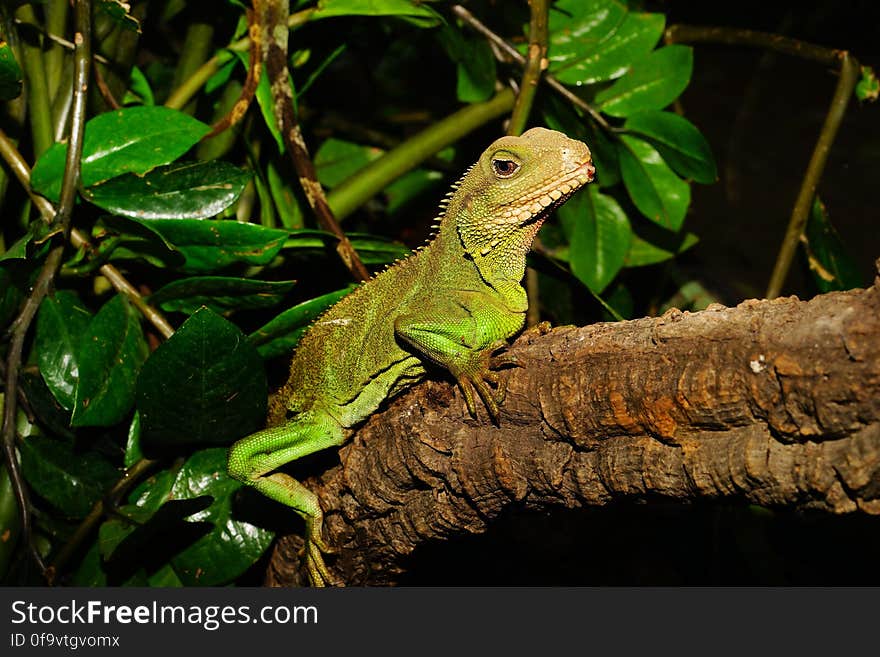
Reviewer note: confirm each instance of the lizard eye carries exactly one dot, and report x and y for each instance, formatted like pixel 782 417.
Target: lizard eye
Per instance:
pixel 504 168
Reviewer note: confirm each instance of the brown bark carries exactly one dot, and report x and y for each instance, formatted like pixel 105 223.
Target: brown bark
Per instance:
pixel 773 402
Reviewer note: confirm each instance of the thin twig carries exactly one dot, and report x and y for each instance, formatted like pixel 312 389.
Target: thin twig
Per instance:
pixel 276 13
pixel 516 57
pixel 129 478
pixel 19 167
pixel 61 41
pixel 69 183
pixel 10 407
pixel 849 76
pixel 189 87
pixel 736 37
pixel 255 69
pixel 849 72
pixel 104 89
pixel 535 65
pixel 122 285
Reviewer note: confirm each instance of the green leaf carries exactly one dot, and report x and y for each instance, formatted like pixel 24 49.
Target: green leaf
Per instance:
pixel 133 452
pixel 832 266
pixel 220 293
pixel 631 42
pixel 130 140
pixel 338 159
pixel 227 62
pixel 164 506
pixel 600 237
pixel 121 238
pixel 37 233
pixel 116 529
pixel 651 84
pixel 691 295
pixel 139 89
pixel 656 191
pixel 205 384
pixel 10 523
pixel 10 73
pixel 283 198
pixel 234 545
pixel 417 13
pixel 620 300
pixel 660 249
pixel 51 416
pixel 279 335
pixel 61 324
pixel 165 577
pixel 112 351
pixel 475 63
pixel 212 245
pixel 124 539
pixel 868 86
pixel 579 27
pixel 152 493
pixel 373 249
pixel 679 142
pixel 70 480
pixel 184 190
pixel 315 74
pixel 18 250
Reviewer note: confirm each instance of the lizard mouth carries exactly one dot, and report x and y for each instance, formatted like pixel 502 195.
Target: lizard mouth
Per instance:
pixel 540 202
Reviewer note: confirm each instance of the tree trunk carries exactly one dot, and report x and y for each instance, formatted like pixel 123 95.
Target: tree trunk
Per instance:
pixel 772 402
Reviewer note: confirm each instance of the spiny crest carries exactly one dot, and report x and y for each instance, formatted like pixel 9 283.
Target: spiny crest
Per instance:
pixel 398 262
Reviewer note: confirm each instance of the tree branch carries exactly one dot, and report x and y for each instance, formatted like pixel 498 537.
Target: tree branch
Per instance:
pixel 276 13
pixel 774 403
pixel 44 281
pixel 535 65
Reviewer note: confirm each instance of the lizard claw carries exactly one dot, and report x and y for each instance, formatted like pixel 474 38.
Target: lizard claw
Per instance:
pixel 313 553
pixel 541 328
pixel 470 384
pixel 475 382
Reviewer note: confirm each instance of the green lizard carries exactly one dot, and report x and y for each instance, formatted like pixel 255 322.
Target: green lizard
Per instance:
pixel 453 303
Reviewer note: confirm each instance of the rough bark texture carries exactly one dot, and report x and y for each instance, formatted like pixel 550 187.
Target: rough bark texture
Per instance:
pixel 773 402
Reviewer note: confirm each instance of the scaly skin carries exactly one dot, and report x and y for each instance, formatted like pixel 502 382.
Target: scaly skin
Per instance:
pixel 454 303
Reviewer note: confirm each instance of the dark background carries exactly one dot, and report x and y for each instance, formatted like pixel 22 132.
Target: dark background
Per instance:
pixel 762 113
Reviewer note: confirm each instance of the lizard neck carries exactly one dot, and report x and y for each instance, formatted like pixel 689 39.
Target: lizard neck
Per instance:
pixel 494 246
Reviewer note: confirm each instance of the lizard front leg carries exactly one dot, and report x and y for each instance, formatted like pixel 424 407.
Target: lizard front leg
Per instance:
pixel 461 333
pixel 254 459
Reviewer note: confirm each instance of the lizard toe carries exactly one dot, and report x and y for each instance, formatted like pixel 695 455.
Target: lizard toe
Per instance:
pixel 488 396
pixel 466 385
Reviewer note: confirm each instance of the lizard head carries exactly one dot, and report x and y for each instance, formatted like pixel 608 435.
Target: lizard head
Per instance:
pixel 505 197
